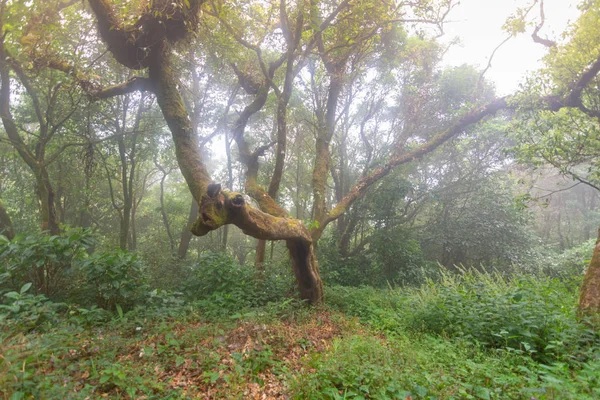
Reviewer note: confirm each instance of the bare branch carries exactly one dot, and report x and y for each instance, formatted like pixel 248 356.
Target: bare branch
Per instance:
pixel 536 38
pixel 489 64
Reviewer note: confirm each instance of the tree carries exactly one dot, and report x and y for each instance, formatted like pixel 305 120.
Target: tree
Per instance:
pixel 329 45
pixel 558 120
pixel 139 46
pixel 50 103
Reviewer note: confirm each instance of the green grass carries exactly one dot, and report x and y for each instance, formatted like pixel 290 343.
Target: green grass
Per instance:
pixel 472 337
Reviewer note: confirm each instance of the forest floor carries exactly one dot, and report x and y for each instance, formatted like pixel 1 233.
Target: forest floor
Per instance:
pixel 283 351
pixel 318 354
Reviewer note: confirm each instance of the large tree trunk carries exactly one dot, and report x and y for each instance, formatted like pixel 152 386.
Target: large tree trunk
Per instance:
pixel 6 227
pixel 589 300
pixel 306 270
pixel 219 207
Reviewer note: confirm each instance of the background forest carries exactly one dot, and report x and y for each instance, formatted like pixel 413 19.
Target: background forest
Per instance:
pixel 180 178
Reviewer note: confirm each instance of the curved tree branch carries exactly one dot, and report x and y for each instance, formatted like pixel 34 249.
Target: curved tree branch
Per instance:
pixel 535 35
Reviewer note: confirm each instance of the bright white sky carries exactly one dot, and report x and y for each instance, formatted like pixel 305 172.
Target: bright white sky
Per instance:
pixel 478 24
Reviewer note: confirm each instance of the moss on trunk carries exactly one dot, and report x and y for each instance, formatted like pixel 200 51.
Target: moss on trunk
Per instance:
pixel 219 207
pixel 589 300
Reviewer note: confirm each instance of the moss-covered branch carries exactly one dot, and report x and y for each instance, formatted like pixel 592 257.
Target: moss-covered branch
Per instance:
pixel 135 84
pixel 219 207
pixel 160 21
pixel 187 148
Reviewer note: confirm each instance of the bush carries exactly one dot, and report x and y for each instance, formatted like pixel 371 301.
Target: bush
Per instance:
pixel 533 317
pixel 223 286
pixel 22 311
pixel 570 263
pixel 393 257
pixel 115 279
pixel 45 261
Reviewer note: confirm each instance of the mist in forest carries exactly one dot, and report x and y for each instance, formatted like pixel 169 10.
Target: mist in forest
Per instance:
pixel 299 199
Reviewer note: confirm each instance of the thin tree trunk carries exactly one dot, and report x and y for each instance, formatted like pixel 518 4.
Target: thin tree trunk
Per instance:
pixel 85 217
pixel 259 261
pixel 133 243
pixel 163 211
pixel 186 233
pixel 124 229
pixel 47 206
pixel 6 226
pixel 229 185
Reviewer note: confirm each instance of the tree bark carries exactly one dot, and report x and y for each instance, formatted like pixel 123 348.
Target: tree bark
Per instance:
pixel 219 207
pixel 589 299
pixel 47 205
pixel 186 233
pixel 6 226
pixel 259 260
pixel 163 211
pixel 324 136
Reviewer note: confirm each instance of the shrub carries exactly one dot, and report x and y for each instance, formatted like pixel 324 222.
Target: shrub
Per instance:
pixel 24 311
pixel 523 315
pixel 393 257
pixel 115 279
pixel 45 261
pixel 223 286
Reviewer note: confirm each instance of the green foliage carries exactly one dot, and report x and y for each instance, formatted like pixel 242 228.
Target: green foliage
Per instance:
pixel 483 226
pixel 566 139
pixel 403 350
pixel 224 287
pixel 116 280
pixel 393 257
pixel 568 265
pixel 254 361
pixel 398 257
pixel 338 270
pixel 22 311
pixel 533 317
pixel 356 368
pixel 412 366
pixel 45 261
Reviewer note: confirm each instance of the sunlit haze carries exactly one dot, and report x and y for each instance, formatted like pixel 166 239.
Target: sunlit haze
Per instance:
pixel 478 25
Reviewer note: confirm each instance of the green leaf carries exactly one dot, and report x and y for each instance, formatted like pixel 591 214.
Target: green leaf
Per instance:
pixel 25 287
pixel 17 396
pixel 120 311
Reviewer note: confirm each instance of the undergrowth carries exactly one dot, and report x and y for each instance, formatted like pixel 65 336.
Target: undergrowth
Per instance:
pixel 230 333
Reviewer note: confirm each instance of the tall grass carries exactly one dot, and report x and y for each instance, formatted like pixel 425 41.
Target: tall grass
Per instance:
pixel 532 316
